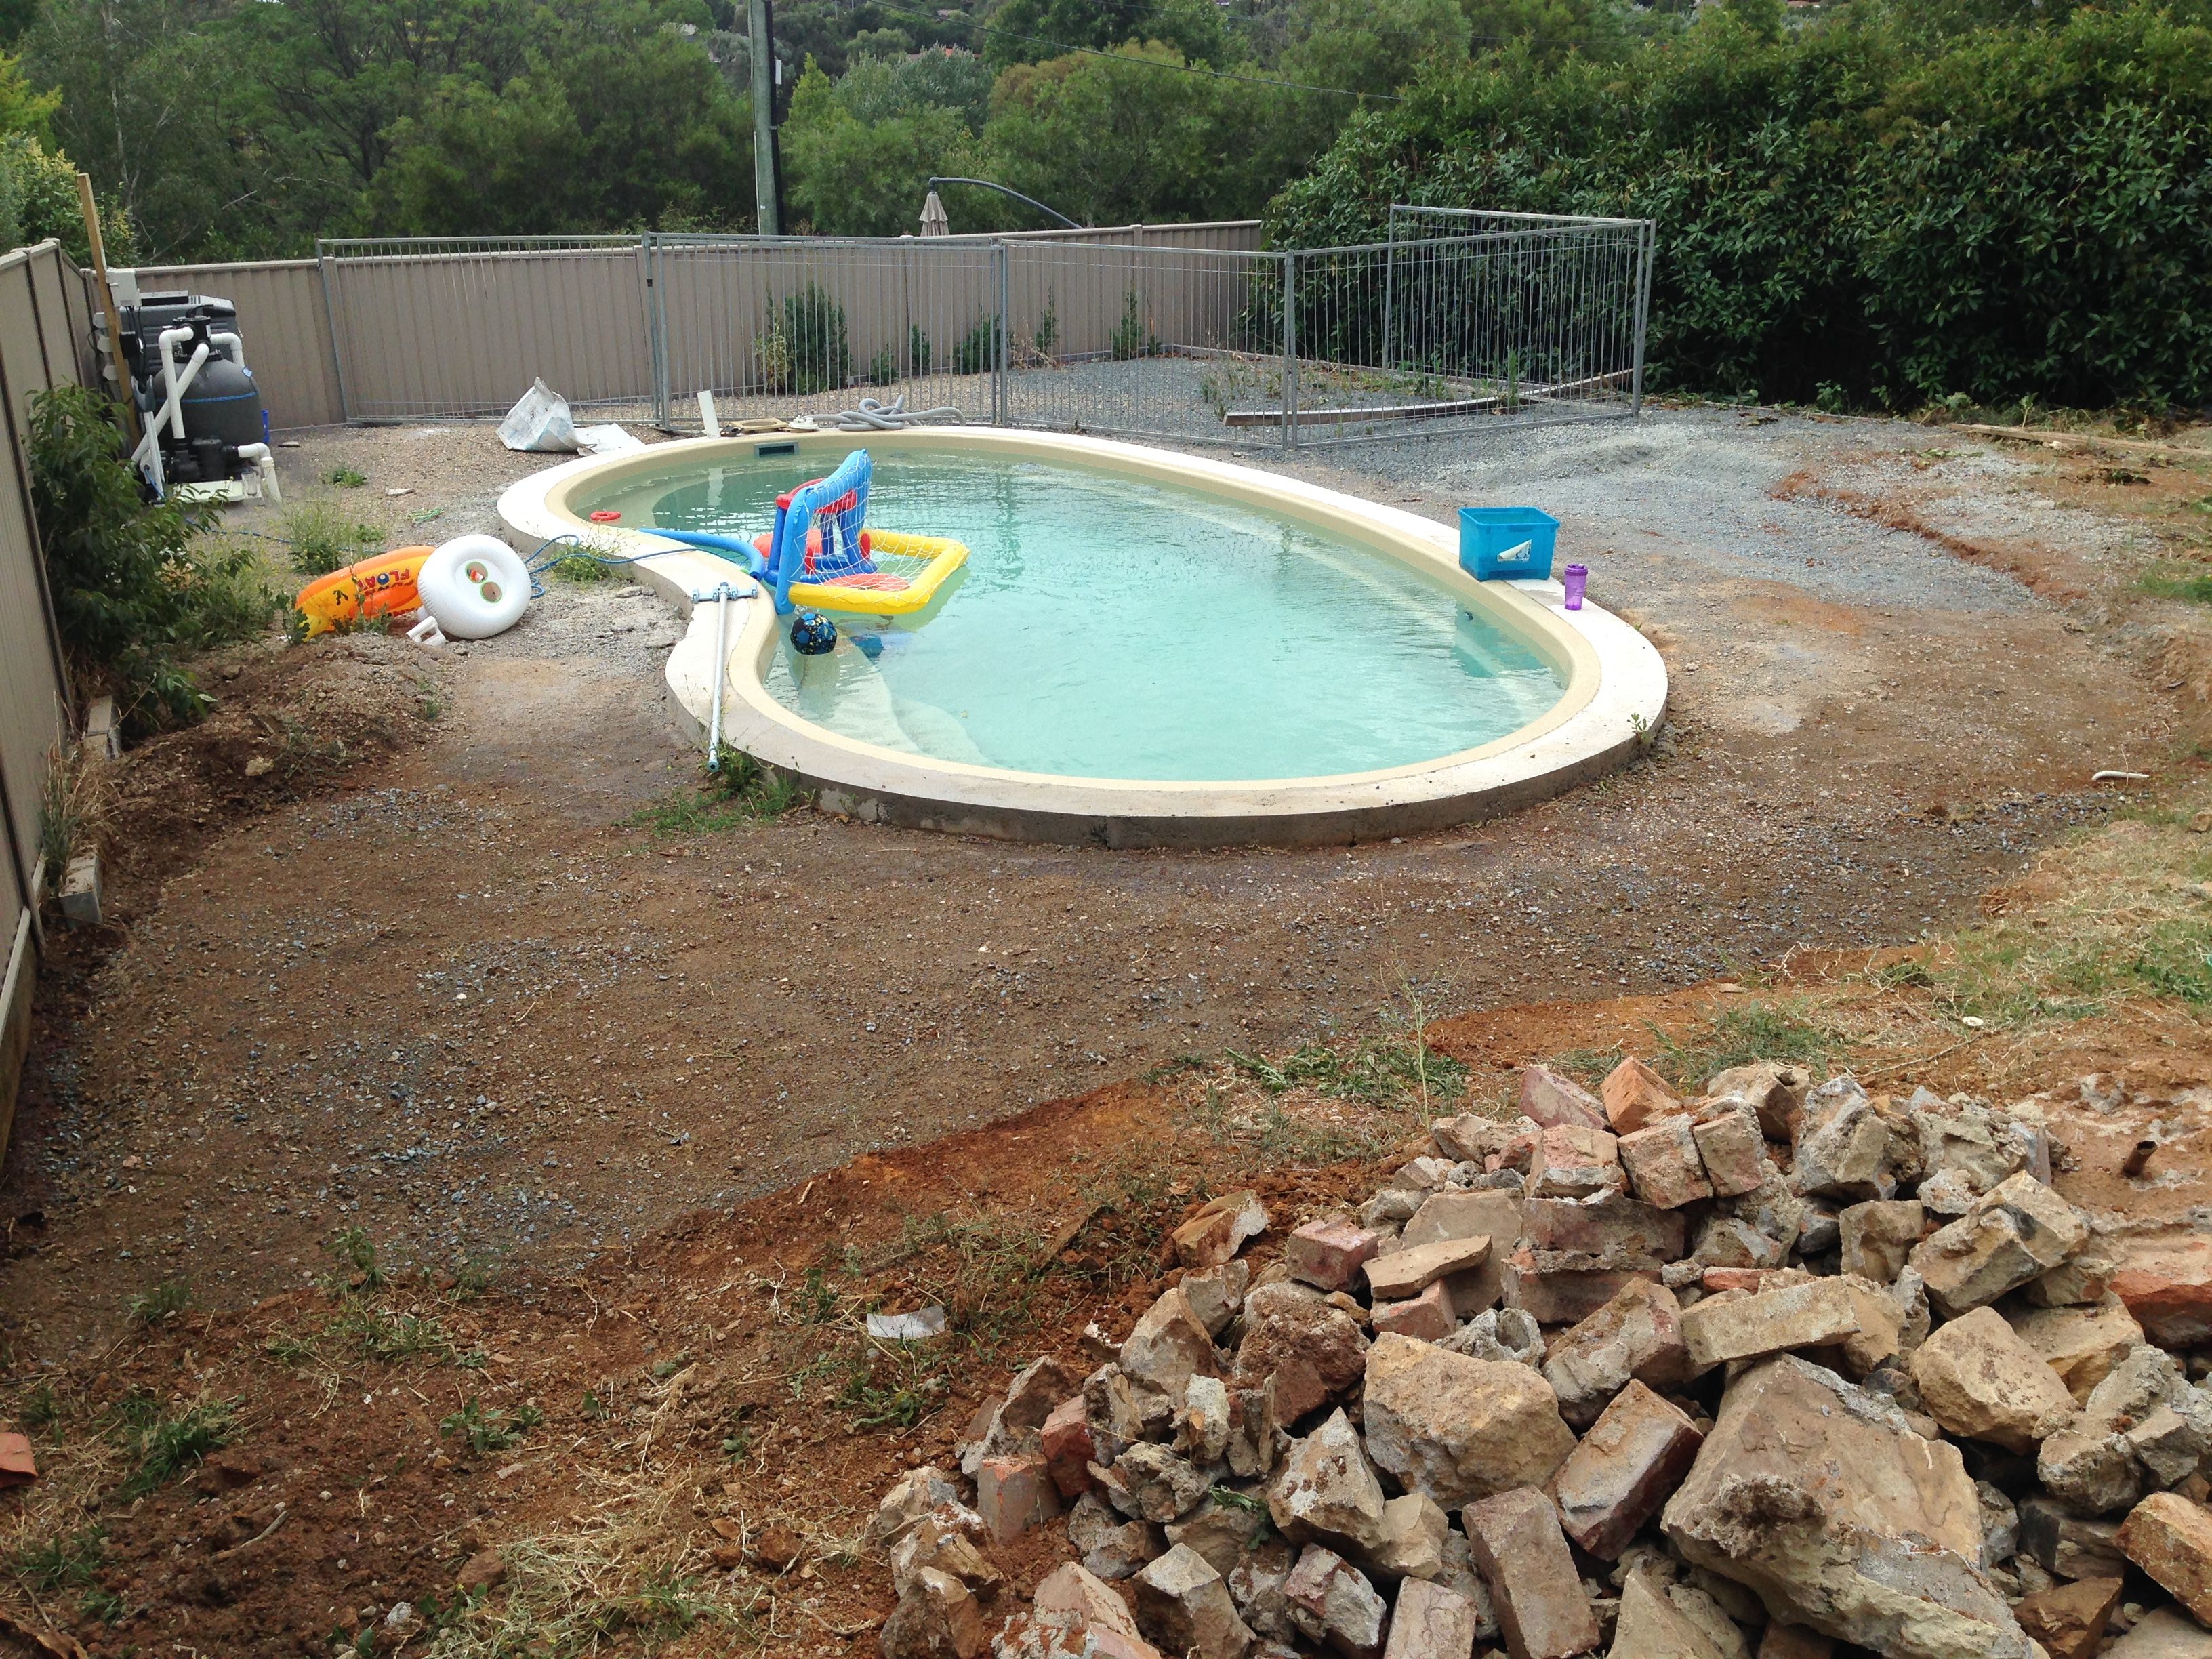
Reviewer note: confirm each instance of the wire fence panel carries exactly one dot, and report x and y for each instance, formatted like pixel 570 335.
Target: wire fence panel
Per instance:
pixel 454 327
pixel 785 326
pixel 1462 320
pixel 1157 342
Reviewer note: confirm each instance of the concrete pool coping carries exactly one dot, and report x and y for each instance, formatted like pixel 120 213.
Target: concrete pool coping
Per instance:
pixel 1613 695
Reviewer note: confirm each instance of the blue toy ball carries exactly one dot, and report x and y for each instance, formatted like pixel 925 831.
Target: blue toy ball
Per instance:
pixel 813 634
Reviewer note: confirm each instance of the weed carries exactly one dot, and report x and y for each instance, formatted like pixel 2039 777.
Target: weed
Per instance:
pixel 162 1304
pixel 594 1407
pixel 355 1254
pixel 374 1333
pixel 487 1428
pixel 738 791
pixel 1133 336
pixel 104 1604
pixel 821 357
pixel 470 1280
pixel 2197 589
pixel 1048 330
pixel 899 1399
pixel 163 1447
pixel 581 568
pixel 1170 1068
pixel 816 1303
pixel 1739 1035
pixel 325 538
pixel 345 477
pixel 72 809
pixel 290 1349
pixel 1909 973
pixel 62 1563
pixel 40 1408
pixel 1375 1071
pixel 978 349
pixel 1588 1066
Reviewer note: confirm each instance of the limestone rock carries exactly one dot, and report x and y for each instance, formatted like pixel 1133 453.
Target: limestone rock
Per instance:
pixel 2170 1539
pixel 1216 1232
pixel 1412 1541
pixel 1618 1475
pixel 912 1499
pixel 1848 1315
pixel 1120 1409
pixel 1775 1089
pixel 1256 1585
pixel 2070 1620
pixel 1202 1425
pixel 1731 1148
pixel 1542 1610
pixel 1217 1293
pixel 1161 1487
pixel 1224 1533
pixel 1184 1607
pixel 1978 1379
pixel 2167 1285
pixel 1663 1164
pixel 2082 1280
pixel 1967 1138
pixel 937 1618
pixel 1878 1236
pixel 1408 1272
pixel 1329 1253
pixel 1313 1351
pixel 1613 1231
pixel 1496 1216
pixel 1169 1345
pixel 2021 1229
pixel 2067 1545
pixel 1547 1098
pixel 2081 1343
pixel 1814 1494
pixel 1634 1094
pixel 1431 1621
pixel 1650 1626
pixel 1842 1145
pixel 1331 1603
pixel 1456 1428
pixel 1083 1616
pixel 2163 1633
pixel 1638 1334
pixel 946 1549
pixel 1327 1490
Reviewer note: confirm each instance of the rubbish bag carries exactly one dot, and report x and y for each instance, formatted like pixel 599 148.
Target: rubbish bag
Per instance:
pixel 539 424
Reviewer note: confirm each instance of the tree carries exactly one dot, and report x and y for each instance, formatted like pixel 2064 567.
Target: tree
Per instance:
pixel 1031 31
pixel 849 177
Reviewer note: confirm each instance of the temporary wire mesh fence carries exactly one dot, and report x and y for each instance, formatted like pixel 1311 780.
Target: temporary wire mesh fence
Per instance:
pixel 1459 321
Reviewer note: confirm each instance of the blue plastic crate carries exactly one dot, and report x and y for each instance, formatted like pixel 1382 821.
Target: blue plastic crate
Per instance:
pixel 1513 544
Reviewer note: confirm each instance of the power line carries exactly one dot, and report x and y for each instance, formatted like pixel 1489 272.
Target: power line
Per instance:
pixel 1063 49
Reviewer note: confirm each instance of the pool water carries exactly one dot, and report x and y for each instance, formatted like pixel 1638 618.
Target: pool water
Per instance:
pixel 1110 628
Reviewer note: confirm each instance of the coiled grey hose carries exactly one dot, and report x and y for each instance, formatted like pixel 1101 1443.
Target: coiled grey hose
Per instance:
pixel 874 416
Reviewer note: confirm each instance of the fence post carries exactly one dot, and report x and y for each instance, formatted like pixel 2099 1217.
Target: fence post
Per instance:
pixel 338 345
pixel 1001 412
pixel 1650 242
pixel 1290 351
pixel 1389 287
pixel 656 326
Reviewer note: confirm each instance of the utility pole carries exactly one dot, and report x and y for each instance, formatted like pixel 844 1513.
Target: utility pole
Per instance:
pixel 760 47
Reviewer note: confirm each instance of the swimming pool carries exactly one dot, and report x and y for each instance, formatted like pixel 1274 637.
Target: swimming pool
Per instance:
pixel 1144 647
pixel 1105 627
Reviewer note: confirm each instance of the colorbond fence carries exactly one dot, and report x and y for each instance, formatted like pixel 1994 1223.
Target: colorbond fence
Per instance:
pixel 45 333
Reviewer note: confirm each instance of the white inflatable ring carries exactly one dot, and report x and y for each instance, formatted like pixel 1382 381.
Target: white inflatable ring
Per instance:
pixel 476 585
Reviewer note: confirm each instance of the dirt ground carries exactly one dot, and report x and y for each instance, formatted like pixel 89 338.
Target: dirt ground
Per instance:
pixel 457 968
pixel 461 998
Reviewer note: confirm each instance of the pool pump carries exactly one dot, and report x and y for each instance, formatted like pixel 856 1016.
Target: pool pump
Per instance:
pixel 205 435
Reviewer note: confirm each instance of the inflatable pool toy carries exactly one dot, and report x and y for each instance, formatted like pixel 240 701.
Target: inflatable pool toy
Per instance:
pixel 476 585
pixel 813 634
pixel 385 585
pixel 821 555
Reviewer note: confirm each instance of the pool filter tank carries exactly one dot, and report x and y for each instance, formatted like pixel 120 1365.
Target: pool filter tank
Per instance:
pixel 198 406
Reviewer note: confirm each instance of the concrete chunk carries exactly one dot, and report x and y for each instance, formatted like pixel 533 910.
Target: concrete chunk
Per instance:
pixel 1615 1231
pixel 2164 1633
pixel 1878 1236
pixel 1087 1617
pixel 1775 1089
pixel 1455 1428
pixel 2167 1285
pixel 937 1618
pixel 1326 1490
pixel 1650 1626
pixel 1169 1346
pixel 1848 1315
pixel 1311 1351
pixel 1542 1611
pixel 1732 1149
pixel 2070 1620
pixel 2067 1545
pixel 1616 1478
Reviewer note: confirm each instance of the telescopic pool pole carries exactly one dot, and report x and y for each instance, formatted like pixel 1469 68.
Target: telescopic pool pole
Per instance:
pixel 720 596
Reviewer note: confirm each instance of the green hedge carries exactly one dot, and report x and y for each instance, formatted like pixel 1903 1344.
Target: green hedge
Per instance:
pixel 1896 214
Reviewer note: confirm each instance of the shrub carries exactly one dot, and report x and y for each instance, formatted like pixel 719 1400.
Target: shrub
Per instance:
pixel 821 355
pixel 134 591
pixel 324 538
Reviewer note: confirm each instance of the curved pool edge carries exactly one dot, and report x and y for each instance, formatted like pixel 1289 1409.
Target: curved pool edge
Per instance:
pixel 1613 696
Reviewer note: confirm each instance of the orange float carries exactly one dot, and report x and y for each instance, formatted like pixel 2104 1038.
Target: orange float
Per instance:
pixel 379 587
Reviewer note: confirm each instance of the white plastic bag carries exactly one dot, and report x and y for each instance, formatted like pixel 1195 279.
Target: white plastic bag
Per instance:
pixel 539 424
pixel 609 439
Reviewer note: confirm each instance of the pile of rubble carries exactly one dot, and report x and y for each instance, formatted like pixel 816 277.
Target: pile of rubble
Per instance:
pixel 1765 1373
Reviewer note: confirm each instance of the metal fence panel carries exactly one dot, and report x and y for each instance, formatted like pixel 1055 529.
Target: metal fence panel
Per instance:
pixel 431 328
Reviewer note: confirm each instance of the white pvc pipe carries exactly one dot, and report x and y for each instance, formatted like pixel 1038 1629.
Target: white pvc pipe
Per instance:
pixel 233 348
pixel 265 464
pixel 175 409
pixel 713 426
